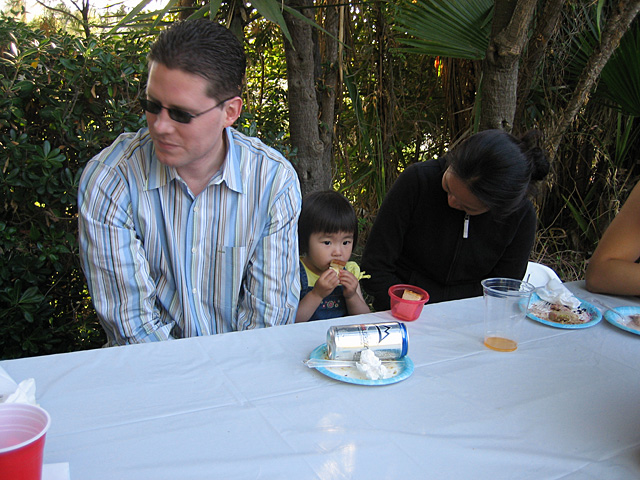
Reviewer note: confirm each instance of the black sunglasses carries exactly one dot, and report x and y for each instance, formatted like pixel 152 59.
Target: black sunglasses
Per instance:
pixel 176 114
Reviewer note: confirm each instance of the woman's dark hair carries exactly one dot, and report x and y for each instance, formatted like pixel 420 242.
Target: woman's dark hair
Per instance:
pixel 326 211
pixel 203 48
pixel 499 169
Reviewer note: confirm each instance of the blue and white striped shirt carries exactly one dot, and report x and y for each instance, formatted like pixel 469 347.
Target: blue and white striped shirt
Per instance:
pixel 161 263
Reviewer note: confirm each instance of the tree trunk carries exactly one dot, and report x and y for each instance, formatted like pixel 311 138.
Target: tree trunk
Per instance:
pixel 186 7
pixel 547 21
pixel 312 143
pixel 498 90
pixel 329 82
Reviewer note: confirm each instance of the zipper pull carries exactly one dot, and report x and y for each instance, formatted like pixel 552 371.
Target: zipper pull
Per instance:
pixel 465 229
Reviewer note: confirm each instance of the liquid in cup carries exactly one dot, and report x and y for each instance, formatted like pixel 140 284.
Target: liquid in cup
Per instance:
pixel 505 305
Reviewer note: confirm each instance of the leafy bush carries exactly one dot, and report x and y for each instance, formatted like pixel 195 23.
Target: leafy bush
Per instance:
pixel 62 100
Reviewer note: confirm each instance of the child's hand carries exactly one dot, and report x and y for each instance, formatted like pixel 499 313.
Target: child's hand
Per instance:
pixel 326 283
pixel 349 283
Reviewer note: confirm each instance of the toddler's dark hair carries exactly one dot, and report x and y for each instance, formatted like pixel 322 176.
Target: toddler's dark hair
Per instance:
pixel 325 211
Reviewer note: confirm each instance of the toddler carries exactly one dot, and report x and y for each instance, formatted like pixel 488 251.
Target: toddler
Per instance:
pixel 328 231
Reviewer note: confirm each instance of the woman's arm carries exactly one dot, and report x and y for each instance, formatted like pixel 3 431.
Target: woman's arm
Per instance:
pixel 513 263
pixel 386 239
pixel 613 268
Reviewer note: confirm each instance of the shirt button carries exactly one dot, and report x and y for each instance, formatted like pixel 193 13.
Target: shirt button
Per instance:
pixel 194 291
pixel 193 250
pixel 195 209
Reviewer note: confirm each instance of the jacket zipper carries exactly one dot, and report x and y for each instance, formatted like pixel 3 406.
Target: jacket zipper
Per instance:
pixel 465 234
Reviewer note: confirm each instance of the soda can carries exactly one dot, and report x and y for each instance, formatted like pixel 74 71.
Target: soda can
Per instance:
pixel 389 340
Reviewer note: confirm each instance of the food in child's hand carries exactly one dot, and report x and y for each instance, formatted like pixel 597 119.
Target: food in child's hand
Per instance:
pixel 411 295
pixel 337 265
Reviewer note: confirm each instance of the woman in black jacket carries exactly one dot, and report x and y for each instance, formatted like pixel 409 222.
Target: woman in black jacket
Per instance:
pixel 447 224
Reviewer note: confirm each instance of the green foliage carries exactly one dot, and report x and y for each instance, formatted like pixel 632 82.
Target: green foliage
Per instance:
pixel 62 100
pixel 389 115
pixel 621 75
pixel 596 166
pixel 265 111
pixel 457 29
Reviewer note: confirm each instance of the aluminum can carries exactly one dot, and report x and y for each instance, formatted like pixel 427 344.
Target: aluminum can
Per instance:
pixel 389 340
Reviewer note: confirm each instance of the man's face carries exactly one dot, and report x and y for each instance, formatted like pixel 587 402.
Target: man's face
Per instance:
pixel 197 146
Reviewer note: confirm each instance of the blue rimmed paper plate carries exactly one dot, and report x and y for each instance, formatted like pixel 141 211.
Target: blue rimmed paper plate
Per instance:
pixel 616 321
pixel 585 316
pixel 403 369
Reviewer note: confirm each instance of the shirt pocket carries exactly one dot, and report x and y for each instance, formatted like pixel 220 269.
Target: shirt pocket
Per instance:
pixel 228 272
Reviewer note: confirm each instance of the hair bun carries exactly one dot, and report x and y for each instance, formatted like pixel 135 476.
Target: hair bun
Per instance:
pixel 531 139
pixel 539 163
pixel 530 145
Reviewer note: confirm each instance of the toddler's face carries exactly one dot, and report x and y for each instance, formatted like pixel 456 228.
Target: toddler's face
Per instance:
pixel 324 247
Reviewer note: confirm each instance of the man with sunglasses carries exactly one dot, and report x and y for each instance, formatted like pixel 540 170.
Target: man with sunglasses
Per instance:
pixel 188 227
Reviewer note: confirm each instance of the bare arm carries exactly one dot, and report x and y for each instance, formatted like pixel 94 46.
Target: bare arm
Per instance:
pixel 612 268
pixel 325 284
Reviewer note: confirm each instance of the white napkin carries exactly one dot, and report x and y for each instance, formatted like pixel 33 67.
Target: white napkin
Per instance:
pixel 11 392
pixel 556 292
pixel 371 365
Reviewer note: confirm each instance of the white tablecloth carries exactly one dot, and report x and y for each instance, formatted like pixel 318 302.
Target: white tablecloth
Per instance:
pixel 565 405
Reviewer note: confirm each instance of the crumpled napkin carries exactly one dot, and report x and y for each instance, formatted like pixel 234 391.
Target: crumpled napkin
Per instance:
pixel 371 365
pixel 11 392
pixel 555 292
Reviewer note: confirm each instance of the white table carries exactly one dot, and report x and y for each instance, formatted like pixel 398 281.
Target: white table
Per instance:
pixel 565 405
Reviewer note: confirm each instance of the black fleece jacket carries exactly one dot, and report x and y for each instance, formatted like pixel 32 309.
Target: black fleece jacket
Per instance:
pixel 418 239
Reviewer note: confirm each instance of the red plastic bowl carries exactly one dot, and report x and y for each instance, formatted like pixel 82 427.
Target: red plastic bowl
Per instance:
pixel 407 310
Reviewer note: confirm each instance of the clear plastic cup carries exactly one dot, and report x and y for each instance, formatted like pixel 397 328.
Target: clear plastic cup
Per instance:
pixel 505 306
pixel 404 309
pixel 23 429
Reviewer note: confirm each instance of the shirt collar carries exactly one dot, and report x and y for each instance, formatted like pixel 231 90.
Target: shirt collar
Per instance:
pixel 229 173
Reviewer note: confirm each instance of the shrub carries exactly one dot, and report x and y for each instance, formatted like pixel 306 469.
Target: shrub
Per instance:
pixel 62 99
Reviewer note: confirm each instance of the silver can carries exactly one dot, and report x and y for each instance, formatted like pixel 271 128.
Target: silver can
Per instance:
pixel 389 340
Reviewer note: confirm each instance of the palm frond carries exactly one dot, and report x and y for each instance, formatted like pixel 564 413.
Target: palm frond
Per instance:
pixel 456 29
pixel 620 78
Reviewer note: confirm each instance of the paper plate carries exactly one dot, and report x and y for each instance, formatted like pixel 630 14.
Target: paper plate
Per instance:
pixel 593 314
pixel 616 321
pixel 351 374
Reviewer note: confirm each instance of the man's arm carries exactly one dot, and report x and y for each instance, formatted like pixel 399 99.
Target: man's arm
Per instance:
pixel 272 282
pixel 114 260
pixel 613 268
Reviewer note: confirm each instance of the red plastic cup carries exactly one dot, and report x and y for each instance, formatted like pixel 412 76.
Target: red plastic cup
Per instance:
pixel 22 433
pixel 404 309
